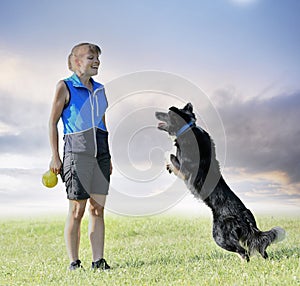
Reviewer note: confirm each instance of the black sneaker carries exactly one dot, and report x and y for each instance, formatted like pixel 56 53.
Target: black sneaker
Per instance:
pixel 75 264
pixel 100 264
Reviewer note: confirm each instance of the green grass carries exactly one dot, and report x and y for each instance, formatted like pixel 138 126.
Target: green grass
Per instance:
pixel 155 250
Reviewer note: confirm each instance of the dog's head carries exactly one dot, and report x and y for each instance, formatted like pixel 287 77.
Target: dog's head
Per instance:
pixel 176 118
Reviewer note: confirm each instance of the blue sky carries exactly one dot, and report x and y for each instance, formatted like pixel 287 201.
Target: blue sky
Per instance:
pixel 243 55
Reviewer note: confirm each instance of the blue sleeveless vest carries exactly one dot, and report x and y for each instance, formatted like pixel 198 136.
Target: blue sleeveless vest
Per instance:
pixel 82 117
pixel 85 109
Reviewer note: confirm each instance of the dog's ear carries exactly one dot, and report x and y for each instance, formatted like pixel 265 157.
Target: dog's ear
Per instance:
pixel 174 109
pixel 188 107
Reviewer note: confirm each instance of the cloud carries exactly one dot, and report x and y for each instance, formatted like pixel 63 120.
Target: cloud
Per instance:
pixel 26 92
pixel 23 124
pixel 31 140
pixel 23 194
pixel 262 135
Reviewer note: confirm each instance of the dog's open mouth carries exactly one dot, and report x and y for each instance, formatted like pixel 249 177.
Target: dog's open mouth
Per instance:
pixel 163 117
pixel 162 126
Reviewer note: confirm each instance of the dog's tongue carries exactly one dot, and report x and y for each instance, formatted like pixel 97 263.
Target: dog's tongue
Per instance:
pixel 162 126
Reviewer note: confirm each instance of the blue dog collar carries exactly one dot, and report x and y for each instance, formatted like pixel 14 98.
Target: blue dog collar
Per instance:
pixel 184 128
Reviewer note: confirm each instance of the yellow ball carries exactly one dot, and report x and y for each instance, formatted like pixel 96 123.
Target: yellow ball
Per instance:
pixel 49 179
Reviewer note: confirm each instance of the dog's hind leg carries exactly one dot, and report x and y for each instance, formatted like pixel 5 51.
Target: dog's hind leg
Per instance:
pixel 243 254
pixel 263 252
pixel 234 246
pixel 264 255
pixel 229 242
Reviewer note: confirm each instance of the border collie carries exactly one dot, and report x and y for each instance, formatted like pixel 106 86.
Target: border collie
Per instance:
pixel 234 226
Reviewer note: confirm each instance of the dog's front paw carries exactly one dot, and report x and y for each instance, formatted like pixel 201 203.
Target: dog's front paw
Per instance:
pixel 169 168
pixel 175 162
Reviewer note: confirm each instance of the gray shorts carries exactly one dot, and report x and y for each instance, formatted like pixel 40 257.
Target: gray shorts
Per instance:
pixel 84 175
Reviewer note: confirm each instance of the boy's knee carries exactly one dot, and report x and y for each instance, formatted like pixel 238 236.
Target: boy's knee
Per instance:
pixel 96 210
pixel 77 211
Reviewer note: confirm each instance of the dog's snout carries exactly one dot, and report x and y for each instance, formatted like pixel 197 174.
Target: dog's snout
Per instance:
pixel 161 116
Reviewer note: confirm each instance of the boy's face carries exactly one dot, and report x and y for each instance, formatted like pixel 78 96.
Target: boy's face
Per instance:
pixel 87 61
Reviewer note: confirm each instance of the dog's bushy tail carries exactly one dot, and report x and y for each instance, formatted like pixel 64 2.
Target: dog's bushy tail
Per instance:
pixel 262 239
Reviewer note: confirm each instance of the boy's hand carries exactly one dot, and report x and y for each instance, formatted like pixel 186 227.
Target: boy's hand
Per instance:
pixel 55 165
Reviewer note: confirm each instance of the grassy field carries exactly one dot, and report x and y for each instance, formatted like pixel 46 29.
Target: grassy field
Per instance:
pixel 155 250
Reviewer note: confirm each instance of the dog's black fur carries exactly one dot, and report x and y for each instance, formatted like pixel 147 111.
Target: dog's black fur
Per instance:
pixel 234 226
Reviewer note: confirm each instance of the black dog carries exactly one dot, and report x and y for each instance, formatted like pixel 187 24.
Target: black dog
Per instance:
pixel 234 226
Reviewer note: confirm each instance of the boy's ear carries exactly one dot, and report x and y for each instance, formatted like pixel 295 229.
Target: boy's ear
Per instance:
pixel 77 62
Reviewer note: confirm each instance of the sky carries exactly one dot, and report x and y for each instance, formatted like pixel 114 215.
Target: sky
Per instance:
pixel 237 61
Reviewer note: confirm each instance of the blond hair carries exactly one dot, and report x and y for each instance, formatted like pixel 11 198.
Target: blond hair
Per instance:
pixel 74 53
